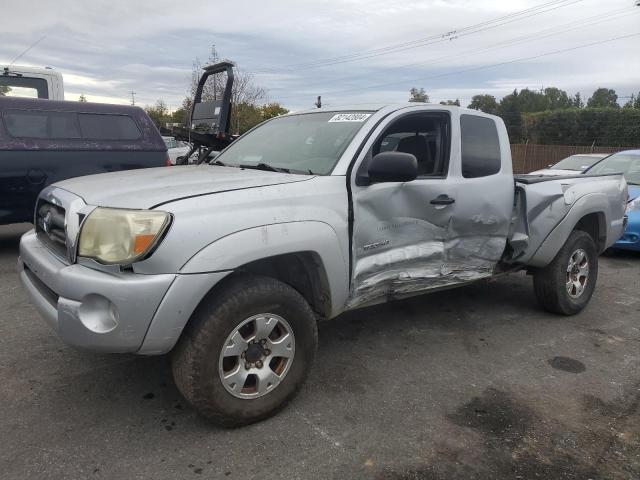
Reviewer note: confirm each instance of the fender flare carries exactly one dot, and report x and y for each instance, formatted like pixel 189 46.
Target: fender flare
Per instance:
pixel 257 243
pixel 218 259
pixel 588 204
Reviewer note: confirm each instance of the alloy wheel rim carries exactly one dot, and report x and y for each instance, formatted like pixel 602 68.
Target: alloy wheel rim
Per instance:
pixel 577 273
pixel 256 356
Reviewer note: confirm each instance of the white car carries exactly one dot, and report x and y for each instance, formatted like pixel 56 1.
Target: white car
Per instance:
pixel 175 148
pixel 572 165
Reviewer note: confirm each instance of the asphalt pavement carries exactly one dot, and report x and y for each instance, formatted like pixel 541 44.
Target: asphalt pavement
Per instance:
pixel 476 382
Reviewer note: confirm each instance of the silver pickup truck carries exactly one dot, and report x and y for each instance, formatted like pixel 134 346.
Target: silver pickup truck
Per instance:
pixel 230 265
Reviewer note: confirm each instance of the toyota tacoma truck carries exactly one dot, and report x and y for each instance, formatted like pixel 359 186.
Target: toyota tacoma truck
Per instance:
pixel 229 265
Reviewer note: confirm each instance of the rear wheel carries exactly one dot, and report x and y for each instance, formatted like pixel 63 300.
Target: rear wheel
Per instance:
pixel 565 285
pixel 246 351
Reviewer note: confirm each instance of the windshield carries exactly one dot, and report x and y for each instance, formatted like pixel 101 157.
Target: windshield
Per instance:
pixel 626 163
pixel 309 143
pixel 576 162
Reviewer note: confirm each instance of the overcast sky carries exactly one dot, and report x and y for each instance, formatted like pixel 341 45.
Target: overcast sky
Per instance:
pixel 349 51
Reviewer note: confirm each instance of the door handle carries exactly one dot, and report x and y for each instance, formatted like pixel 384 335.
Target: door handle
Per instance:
pixel 443 199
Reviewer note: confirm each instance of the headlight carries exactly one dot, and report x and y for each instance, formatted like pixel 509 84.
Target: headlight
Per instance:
pixel 633 205
pixel 116 236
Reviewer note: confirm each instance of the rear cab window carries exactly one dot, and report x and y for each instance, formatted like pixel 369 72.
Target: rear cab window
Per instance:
pixel 480 146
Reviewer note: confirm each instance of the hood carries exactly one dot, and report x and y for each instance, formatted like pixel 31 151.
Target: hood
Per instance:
pixel 634 191
pixel 150 187
pixel 551 171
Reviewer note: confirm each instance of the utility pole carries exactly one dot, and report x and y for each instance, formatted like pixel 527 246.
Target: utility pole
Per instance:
pixel 133 98
pixel 319 102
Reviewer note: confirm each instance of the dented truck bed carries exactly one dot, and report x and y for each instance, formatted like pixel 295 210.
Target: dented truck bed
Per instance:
pixel 547 208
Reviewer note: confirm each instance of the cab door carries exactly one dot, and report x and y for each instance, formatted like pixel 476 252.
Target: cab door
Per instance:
pixel 400 229
pixel 409 237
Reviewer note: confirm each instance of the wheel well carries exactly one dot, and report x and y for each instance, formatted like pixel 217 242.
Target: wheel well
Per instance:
pixel 594 225
pixel 302 271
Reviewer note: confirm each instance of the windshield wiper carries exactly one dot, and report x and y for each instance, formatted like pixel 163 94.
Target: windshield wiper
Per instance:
pixel 267 167
pixel 271 168
pixel 220 163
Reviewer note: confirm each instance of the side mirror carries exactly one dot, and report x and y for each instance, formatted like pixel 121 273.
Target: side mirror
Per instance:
pixel 392 167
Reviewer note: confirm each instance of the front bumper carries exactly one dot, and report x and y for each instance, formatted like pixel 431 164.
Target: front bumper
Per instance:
pixel 630 240
pixel 90 309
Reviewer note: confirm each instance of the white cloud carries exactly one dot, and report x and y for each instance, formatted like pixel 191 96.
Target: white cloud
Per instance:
pixel 106 49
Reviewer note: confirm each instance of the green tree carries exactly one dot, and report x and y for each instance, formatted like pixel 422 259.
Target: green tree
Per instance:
pixel 159 113
pixel 577 101
pixel 485 103
pixel 630 102
pixel 181 115
pixel 532 101
pixel 603 98
pixel 271 110
pixel 586 126
pixel 511 112
pixel 451 102
pixel 247 116
pixel 557 99
pixel 4 89
pixel 244 116
pixel 634 101
pixel 418 95
pixel 82 98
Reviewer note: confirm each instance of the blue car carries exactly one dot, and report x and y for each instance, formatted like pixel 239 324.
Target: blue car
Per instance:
pixel 627 162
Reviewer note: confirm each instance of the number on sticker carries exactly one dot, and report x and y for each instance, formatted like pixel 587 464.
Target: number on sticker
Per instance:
pixel 349 117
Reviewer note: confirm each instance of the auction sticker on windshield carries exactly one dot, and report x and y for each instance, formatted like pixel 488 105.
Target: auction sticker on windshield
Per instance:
pixel 349 117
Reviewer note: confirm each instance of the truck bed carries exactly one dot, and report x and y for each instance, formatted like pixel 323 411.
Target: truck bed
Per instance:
pixel 547 208
pixel 529 179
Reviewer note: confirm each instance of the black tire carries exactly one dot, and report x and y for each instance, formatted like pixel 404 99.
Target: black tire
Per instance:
pixel 550 282
pixel 195 359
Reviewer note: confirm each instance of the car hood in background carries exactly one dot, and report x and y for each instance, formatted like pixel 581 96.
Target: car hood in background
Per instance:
pixel 147 188
pixel 634 191
pixel 551 171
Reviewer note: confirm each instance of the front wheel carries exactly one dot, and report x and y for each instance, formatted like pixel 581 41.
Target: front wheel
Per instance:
pixel 246 351
pixel 565 285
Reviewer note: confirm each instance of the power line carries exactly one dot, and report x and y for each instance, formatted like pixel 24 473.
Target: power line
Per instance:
pixel 545 33
pixel 444 36
pixel 437 38
pixel 482 67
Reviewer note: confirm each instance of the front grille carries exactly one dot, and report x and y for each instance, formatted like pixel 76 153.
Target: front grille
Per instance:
pixel 50 227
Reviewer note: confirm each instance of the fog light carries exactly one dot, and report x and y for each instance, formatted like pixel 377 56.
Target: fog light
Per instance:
pixel 98 314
